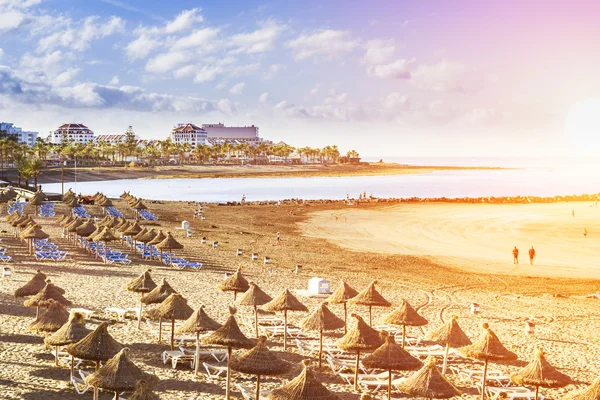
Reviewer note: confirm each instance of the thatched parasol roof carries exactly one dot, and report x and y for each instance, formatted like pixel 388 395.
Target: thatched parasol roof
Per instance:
pixel 322 319
pixel 105 236
pixel 449 334
pixel 229 334
pixel 150 234
pixel 71 202
pixel 13 216
pixel 370 297
pixel 404 315
pixel 105 202
pixel 141 284
pixel 342 294
pixel 254 296
pixel 96 346
pixel 160 236
pixel 199 321
pixel 66 221
pixel 27 221
pixel 234 283
pixel 143 392
pixel 169 243
pixel 360 337
pixel 391 356
pixel 173 307
pixel 43 297
pixel 133 229
pixel 76 223
pixel 488 347
pixel 122 223
pixel 86 229
pixel 428 382
pixel 33 286
pixel 52 319
pixel 303 387
pixel 591 392
pixel 285 301
pixel 159 293
pixel 139 206
pixel 35 232
pixel 71 332
pixel 539 372
pixel 37 200
pixel 260 361
pixel 138 236
pixel 119 374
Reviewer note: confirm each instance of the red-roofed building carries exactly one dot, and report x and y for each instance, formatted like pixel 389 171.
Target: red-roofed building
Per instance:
pixel 77 133
pixel 188 133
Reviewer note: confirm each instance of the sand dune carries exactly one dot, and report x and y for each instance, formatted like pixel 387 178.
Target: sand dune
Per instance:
pixel 476 237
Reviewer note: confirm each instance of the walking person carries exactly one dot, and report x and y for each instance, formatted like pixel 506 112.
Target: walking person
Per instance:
pixel 573 213
pixel 584 233
pixel 277 239
pixel 531 255
pixel 515 255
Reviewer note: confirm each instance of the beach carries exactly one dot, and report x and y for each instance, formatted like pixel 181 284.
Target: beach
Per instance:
pixel 441 258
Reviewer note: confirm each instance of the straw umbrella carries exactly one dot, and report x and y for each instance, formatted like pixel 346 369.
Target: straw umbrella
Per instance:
pixel 322 319
pixel 404 315
pixel 169 243
pixel 139 206
pixel 143 392
pixel 146 237
pixel 51 320
pixel 360 338
pixel 142 284
pixel 234 283
pixel 119 374
pixel 254 297
pixel 285 302
pixel 450 335
pixel 540 373
pixel 43 297
pixel 592 392
pixel 36 201
pixel 428 382
pixel 303 387
pixel 391 356
pixel 160 236
pixel 156 296
pixel 71 332
pixel 35 233
pixel 174 307
pixel 136 238
pixel 86 229
pixel 33 286
pixel 370 297
pixel 487 348
pixel 260 361
pixel 197 323
pixel 105 236
pixel 132 230
pixel 341 296
pixel 230 336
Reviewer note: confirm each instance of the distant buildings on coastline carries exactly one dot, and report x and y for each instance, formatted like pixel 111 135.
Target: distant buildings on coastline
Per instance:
pixel 21 136
pixel 77 133
pixel 212 134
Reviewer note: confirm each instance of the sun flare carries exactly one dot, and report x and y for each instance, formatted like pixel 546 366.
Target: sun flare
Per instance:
pixel 583 125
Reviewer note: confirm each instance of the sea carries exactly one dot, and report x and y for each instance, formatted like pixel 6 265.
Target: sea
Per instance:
pixel 522 177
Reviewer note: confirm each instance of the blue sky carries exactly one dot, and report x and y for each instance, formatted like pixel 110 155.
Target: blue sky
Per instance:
pixel 386 78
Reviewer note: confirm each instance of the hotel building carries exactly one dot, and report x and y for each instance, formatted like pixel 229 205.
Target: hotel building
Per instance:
pixel 77 133
pixel 27 137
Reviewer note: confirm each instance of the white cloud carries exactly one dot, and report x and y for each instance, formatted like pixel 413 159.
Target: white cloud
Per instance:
pixel 396 102
pixel 273 70
pixel 203 40
pixel 379 52
pixel 1 53
pixel 166 62
pixel 323 44
pixel 79 37
pixel 334 97
pixel 237 89
pixel 263 98
pixel 207 73
pixel 141 47
pixel 184 21
pixel 399 69
pixel 10 20
pixel 442 77
pixel 315 89
pixel 258 41
pixel 114 81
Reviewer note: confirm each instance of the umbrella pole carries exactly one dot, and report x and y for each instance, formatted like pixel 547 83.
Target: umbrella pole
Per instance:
pixel 140 314
pixel 96 388
pixel 228 373
pixel 483 378
pixel 445 359
pixel 370 316
pixel 403 335
pixel 356 370
pixel 197 353
pixel 389 384
pixel 116 395
pixel 159 329
pixel 258 387
pixel 170 258
pixel 345 318
pixel 256 320
pixel 56 356
pixel 284 330
pixel 537 388
pixel 234 295
pixel 72 366
pixel 37 312
pixel 172 332
pixel 320 346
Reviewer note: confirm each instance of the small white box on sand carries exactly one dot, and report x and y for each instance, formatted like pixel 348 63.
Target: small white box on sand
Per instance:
pixel 319 286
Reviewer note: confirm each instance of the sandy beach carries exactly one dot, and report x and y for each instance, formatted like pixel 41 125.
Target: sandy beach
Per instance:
pixel 439 257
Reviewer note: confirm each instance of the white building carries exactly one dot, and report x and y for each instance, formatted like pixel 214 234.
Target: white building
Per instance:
pixel 231 132
pixel 188 133
pixel 27 137
pixel 77 133
pixel 122 138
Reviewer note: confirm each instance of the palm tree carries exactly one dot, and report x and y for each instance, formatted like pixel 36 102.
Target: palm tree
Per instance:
pixel 35 166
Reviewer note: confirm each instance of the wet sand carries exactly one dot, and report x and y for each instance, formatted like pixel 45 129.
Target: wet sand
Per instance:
pixel 565 326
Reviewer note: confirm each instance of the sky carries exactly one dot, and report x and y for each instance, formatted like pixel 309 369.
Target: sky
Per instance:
pixel 386 78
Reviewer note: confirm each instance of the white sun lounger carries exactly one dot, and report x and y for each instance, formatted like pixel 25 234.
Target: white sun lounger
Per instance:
pixel 215 371
pixel 177 356
pixel 272 331
pixel 121 312
pixel 362 377
pixel 218 354
pixel 511 393
pixel 85 311
pixel 79 381
pixel 248 394
pixel 308 348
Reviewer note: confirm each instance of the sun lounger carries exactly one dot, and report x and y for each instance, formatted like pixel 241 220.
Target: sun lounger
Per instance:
pixel 85 311
pixel 308 348
pixel 121 312
pixel 349 377
pixel 79 381
pixel 511 393
pixel 5 259
pixel 272 331
pixel 177 356
pixel 215 371
pixel 218 354
pixel 248 394
pixel 430 351
pixel 342 365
